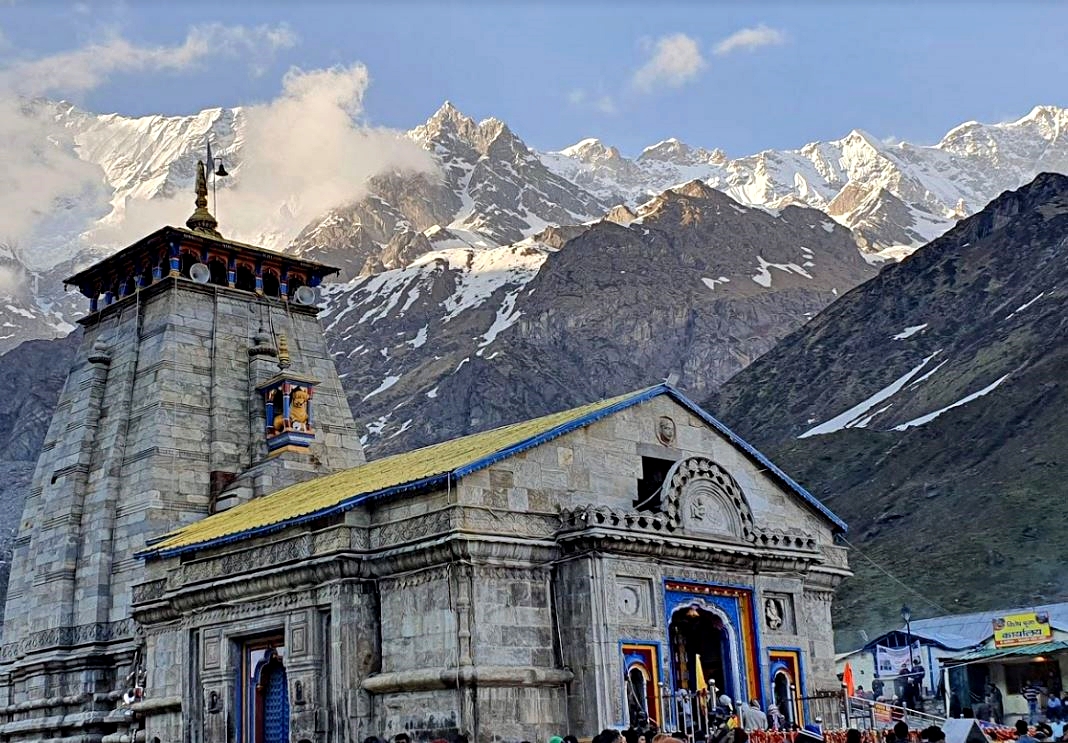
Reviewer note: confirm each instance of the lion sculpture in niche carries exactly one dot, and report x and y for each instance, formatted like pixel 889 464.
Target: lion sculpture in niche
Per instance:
pixel 298 411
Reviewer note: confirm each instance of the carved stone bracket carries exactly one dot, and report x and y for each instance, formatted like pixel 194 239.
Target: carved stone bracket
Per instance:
pixel 586 516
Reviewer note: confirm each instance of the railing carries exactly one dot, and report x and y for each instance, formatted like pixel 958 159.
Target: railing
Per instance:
pixel 864 714
pixel 686 711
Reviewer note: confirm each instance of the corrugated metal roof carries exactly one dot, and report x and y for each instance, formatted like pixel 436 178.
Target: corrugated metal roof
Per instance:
pixel 1023 651
pixel 959 631
pixel 424 468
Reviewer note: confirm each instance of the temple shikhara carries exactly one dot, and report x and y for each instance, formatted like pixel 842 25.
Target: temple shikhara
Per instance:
pixel 206 556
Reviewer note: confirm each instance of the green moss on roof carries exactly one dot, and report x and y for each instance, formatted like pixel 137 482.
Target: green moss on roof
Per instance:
pixel 420 467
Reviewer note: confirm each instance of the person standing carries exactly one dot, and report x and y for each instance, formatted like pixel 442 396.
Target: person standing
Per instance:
pixel 1030 692
pixel 760 720
pixel 1022 734
pixel 917 676
pixel 776 719
pixel 901 685
pixel 997 704
pixel 1053 708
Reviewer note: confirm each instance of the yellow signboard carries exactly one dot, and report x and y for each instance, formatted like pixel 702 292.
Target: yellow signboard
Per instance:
pixel 1013 630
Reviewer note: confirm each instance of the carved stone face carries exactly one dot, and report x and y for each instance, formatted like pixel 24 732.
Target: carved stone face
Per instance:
pixel 665 430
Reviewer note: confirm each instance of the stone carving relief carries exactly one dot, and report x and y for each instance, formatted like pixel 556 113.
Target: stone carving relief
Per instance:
pixel 701 498
pixel 665 430
pixel 634 599
pixel 68 636
pixel 778 613
pixel 707 500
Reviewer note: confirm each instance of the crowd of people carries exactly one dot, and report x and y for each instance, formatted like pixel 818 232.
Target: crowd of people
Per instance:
pixel 906 691
pixel 725 722
pixel 728 732
pixel 1045 700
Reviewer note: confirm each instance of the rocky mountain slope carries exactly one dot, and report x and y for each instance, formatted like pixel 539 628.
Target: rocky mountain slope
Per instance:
pixel 694 284
pixel 926 408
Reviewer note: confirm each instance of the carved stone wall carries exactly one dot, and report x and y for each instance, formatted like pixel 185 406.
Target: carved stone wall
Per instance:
pixel 158 399
pixel 496 607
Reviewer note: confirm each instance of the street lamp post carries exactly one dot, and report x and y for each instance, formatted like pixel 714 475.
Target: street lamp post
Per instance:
pixel 906 616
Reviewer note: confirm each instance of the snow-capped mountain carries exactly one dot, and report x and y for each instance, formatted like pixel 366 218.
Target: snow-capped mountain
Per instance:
pixel 491 191
pixel 895 197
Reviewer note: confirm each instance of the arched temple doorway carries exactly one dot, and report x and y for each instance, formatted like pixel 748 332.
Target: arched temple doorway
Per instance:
pixel 695 630
pixel 638 690
pixel 783 689
pixel 267 699
pixel 786 684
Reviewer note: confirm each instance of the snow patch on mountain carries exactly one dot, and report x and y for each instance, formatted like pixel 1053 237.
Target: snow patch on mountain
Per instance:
pixel 855 416
pixel 908 332
pixel 923 419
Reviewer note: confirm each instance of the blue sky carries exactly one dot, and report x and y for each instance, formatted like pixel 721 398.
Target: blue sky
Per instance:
pixel 558 72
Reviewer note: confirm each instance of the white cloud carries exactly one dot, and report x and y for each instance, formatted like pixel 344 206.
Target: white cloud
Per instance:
pixel 749 38
pixel 79 70
pixel 605 104
pixel 43 177
pixel 676 60
pixel 303 154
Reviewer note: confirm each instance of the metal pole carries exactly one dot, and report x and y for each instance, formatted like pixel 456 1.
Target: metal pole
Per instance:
pixel 945 683
pixel 909 678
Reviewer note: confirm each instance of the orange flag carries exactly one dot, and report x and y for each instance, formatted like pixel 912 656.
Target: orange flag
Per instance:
pixel 847 679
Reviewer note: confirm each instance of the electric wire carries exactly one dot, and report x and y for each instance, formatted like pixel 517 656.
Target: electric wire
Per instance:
pixel 894 578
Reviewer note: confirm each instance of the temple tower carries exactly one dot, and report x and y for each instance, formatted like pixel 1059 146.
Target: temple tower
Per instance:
pixel 203 380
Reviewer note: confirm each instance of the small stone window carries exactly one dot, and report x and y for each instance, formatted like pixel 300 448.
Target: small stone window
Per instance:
pixel 245 279
pixel 271 284
pixel 218 272
pixel 651 483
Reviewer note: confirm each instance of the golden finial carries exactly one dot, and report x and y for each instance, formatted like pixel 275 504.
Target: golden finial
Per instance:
pixel 202 220
pixel 283 352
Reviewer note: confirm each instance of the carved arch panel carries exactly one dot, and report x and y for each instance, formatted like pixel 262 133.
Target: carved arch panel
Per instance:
pixel 702 497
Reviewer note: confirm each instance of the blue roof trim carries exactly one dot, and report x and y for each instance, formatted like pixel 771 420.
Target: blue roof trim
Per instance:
pixel 558 431
pixel 755 454
pixel 524 445
pixel 637 397
pixel 340 507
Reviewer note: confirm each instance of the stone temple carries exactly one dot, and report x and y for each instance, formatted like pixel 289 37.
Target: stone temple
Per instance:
pixel 206 557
